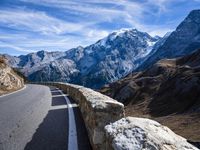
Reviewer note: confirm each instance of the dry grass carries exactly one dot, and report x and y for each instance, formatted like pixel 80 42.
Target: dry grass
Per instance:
pixel 5 91
pixel 185 125
pixel 167 92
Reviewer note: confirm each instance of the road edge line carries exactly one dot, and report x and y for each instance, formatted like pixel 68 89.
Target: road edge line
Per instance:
pixel 14 92
pixel 72 143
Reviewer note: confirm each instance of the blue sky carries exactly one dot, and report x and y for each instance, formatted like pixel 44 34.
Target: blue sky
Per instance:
pixel 32 25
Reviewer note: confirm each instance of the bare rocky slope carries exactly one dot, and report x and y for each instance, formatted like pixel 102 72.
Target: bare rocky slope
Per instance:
pixel 9 79
pixel 168 92
pixel 181 42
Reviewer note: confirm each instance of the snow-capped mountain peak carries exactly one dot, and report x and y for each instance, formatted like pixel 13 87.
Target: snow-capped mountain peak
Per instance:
pixel 102 62
pixel 114 35
pixel 126 33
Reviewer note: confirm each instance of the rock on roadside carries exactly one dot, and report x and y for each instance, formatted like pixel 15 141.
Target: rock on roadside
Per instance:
pixel 9 80
pixel 132 133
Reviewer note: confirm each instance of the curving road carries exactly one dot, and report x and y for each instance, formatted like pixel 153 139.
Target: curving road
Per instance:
pixel 41 118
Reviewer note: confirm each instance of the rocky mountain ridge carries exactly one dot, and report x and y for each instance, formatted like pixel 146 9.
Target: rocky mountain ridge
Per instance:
pixel 103 62
pixel 183 41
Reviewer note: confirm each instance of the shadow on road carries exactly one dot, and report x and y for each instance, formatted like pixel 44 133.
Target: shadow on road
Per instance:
pixel 58 101
pixel 52 133
pixel 82 136
pixel 54 93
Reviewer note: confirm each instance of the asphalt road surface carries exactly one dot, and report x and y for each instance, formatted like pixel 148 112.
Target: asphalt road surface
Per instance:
pixel 41 118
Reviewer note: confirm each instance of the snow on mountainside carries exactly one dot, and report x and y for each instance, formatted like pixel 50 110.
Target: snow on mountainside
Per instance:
pixel 36 61
pixel 114 56
pixel 105 61
pixel 184 40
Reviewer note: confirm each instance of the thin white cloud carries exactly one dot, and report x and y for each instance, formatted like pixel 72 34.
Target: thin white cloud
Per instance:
pixel 160 32
pixel 36 21
pixel 97 34
pixel 25 42
pixel 131 12
pixel 99 13
pixel 41 30
pixel 3 45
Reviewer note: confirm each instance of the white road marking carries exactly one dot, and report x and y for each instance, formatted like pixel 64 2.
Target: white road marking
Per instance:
pixel 60 95
pixel 72 105
pixel 14 92
pixel 72 137
pixel 55 91
pixel 64 106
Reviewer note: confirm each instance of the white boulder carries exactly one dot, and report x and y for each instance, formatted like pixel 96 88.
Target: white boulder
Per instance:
pixel 143 134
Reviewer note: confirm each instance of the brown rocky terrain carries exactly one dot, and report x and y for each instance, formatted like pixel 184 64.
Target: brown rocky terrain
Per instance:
pixel 10 79
pixel 168 92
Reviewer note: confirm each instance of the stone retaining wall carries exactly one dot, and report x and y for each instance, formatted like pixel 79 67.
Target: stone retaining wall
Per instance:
pixel 97 110
pixel 108 130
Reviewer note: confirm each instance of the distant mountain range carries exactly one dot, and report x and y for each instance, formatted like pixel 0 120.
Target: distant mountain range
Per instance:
pixel 105 61
pixel 111 58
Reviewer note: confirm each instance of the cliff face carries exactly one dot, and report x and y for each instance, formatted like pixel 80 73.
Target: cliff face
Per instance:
pixel 9 79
